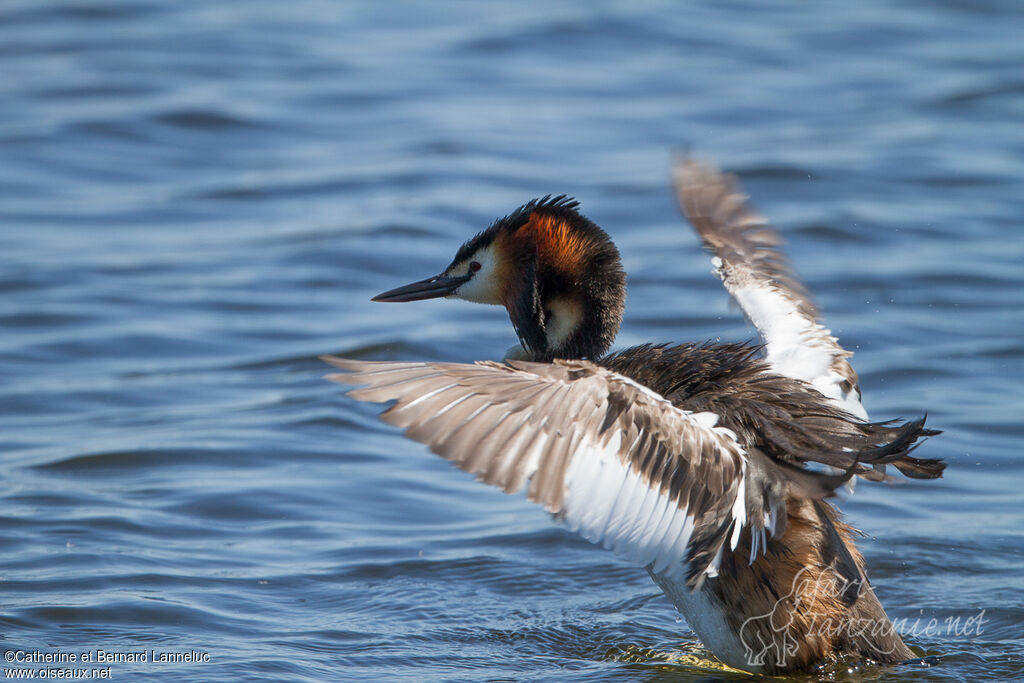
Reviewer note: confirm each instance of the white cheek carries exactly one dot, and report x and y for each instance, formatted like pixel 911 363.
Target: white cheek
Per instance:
pixel 484 288
pixel 566 315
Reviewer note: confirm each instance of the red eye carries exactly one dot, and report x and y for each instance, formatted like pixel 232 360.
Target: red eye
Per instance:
pixel 474 266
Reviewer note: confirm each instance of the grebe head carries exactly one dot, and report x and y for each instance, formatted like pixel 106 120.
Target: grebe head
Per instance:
pixel 557 273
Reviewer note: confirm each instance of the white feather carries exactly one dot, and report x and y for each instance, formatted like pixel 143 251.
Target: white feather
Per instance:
pixel 796 346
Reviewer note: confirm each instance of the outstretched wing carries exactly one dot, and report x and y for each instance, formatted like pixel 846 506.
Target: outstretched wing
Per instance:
pixel 614 461
pixel 757 274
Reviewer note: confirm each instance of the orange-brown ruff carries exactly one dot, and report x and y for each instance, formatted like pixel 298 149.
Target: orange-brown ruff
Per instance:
pixel 708 464
pixel 555 242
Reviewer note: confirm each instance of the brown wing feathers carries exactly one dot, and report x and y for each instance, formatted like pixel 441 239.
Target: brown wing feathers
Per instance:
pixel 554 425
pixel 744 240
pixel 780 416
pixel 757 273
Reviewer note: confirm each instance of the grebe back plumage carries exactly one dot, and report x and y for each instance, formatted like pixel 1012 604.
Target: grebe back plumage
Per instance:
pixel 693 460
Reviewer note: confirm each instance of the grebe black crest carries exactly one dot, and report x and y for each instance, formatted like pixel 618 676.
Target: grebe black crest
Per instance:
pixel 708 464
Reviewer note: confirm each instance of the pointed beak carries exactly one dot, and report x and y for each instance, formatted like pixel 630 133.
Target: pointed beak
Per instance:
pixel 431 288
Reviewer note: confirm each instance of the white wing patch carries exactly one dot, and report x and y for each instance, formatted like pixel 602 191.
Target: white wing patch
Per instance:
pixel 796 346
pixel 609 504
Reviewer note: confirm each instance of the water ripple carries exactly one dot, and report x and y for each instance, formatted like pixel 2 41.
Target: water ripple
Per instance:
pixel 198 201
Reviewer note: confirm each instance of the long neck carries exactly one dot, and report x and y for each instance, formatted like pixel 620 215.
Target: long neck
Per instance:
pixel 572 318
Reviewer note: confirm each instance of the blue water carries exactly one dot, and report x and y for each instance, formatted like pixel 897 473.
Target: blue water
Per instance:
pixel 197 199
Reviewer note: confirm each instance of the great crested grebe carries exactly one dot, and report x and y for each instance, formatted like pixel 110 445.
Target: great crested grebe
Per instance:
pixel 708 464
